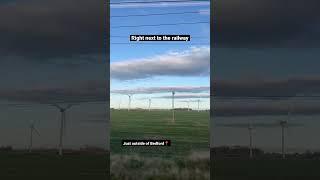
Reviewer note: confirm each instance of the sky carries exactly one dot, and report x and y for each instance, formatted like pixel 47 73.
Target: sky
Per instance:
pixel 52 52
pixel 266 48
pixel 159 64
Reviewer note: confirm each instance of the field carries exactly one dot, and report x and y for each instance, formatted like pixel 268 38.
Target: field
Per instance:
pixel 186 158
pixel 265 169
pixel 189 132
pixel 17 166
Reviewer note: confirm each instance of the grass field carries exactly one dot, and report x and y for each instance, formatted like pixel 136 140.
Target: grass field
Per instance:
pixel 17 166
pixel 186 158
pixel 189 132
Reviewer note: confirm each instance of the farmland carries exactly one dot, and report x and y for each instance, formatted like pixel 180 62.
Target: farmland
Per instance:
pixel 265 169
pixel 49 166
pixel 189 132
pixel 186 158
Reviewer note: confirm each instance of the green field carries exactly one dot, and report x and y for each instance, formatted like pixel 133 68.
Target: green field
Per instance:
pixel 186 158
pixel 17 166
pixel 189 132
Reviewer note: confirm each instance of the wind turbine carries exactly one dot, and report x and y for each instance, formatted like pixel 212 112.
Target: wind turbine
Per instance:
pixel 250 128
pixel 284 124
pixel 198 105
pixel 149 103
pixel 62 125
pixel 188 102
pixel 173 118
pixel 129 103
pixel 32 129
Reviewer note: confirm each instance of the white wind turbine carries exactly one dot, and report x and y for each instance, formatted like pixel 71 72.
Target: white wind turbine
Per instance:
pixel 62 125
pixel 129 102
pixel 284 124
pixel 149 103
pixel 32 129
pixel 173 115
pixel 250 128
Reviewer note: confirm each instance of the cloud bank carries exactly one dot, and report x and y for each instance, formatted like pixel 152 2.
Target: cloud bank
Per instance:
pixel 299 86
pixel 90 91
pixel 192 62
pixel 151 90
pixel 52 28
pixel 267 23
pixel 158 5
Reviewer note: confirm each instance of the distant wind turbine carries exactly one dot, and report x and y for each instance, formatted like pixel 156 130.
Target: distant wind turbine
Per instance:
pixel 173 118
pixel 250 128
pixel 32 129
pixel 62 125
pixel 149 103
pixel 188 102
pixel 129 103
pixel 284 124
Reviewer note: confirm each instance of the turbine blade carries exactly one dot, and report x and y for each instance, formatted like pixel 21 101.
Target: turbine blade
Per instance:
pixel 57 106
pixel 35 130
pixel 69 106
pixel 64 125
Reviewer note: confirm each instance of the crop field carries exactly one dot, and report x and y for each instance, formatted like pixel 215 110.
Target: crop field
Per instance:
pixel 17 166
pixel 189 132
pixel 186 158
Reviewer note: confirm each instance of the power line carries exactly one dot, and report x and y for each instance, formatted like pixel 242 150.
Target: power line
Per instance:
pixel 155 25
pixel 155 2
pixel 154 14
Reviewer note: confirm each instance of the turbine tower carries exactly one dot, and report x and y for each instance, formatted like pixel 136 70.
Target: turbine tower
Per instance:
pixel 198 105
pixel 173 118
pixel 149 104
pixel 188 105
pixel 250 128
pixel 129 103
pixel 32 129
pixel 283 124
pixel 62 125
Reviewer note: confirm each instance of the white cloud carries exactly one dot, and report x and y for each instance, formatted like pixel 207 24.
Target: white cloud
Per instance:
pixel 204 12
pixel 192 62
pixel 163 4
pixel 151 90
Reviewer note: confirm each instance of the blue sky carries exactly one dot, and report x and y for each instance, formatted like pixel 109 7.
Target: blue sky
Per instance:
pixel 133 52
